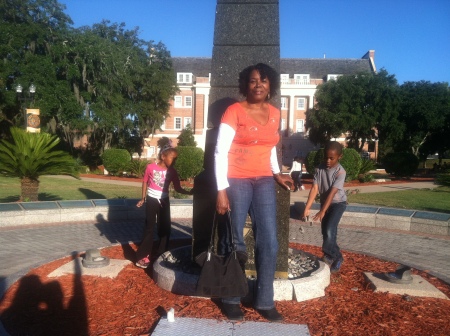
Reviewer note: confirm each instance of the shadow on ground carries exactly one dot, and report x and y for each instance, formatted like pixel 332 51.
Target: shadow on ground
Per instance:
pixel 38 308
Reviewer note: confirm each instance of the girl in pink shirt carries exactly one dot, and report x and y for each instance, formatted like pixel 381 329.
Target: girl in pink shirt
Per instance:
pixel 155 194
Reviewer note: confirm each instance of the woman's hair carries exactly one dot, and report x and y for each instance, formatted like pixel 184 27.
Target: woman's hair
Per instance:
pixel 334 145
pixel 265 71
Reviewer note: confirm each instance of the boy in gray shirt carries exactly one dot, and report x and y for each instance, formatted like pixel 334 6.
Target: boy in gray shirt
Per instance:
pixel 328 182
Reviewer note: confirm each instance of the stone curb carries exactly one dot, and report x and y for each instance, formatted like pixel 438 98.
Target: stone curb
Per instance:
pixel 17 214
pixel 391 218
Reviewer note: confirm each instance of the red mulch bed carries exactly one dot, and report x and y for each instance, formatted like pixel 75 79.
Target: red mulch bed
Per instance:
pixel 132 304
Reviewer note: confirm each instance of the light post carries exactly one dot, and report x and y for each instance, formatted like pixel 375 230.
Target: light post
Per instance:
pixel 25 98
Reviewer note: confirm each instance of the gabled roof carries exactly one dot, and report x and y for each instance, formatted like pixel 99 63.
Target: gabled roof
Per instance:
pixel 321 67
pixel 315 67
pixel 199 66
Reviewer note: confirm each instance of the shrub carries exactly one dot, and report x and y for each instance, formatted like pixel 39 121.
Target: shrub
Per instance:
pixel 116 161
pixel 400 164
pixel 309 162
pixel 313 159
pixel 137 167
pixel 366 166
pixel 189 162
pixel 443 179
pixel 351 161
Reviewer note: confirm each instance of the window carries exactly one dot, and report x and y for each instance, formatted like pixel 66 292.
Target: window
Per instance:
pixel 283 124
pixel 301 103
pixel 184 77
pixel 187 121
pixel 300 123
pixel 332 77
pixel 163 126
pixel 301 79
pixel 150 151
pixel 178 101
pixel 177 123
pixel 284 78
pixel 284 103
pixel 188 101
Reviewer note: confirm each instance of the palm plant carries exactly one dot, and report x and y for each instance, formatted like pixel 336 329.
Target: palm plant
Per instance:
pixel 30 155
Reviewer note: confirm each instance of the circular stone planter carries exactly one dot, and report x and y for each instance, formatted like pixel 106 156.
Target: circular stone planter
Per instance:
pixel 181 278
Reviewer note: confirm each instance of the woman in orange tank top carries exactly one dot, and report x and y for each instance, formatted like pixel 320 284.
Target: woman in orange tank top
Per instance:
pixel 246 168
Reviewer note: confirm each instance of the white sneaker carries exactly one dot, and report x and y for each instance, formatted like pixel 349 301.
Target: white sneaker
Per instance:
pixel 302 187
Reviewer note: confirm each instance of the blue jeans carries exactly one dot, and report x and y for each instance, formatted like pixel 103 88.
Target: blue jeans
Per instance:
pixel 256 196
pixel 329 230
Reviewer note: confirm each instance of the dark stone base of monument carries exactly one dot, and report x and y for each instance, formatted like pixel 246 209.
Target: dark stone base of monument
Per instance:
pixel 174 271
pixel 204 208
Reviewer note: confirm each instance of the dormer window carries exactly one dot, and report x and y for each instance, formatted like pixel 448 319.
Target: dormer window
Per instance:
pixel 184 77
pixel 284 78
pixel 332 77
pixel 301 79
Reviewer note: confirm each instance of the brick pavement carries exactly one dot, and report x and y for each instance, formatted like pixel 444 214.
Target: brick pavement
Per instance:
pixel 23 248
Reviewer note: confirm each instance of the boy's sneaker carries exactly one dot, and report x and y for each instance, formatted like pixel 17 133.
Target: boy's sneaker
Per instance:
pixel 336 265
pixel 143 263
pixel 327 260
pixel 302 187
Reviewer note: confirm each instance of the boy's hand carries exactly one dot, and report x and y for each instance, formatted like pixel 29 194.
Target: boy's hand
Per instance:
pixel 318 216
pixel 305 214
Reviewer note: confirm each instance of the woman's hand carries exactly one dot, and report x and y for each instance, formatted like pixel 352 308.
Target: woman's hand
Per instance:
pixel 222 203
pixel 284 180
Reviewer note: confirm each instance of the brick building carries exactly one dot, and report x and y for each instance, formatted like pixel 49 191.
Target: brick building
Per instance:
pixel 299 80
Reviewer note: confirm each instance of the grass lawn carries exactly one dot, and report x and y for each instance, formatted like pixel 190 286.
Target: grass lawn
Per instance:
pixel 54 189
pixel 437 199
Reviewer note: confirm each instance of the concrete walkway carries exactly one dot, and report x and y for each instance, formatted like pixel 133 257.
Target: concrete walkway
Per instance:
pixel 24 248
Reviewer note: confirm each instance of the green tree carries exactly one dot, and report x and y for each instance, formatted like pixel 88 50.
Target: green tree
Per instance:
pixel 364 107
pixel 425 113
pixel 32 33
pixel 103 81
pixel 186 137
pixel 31 155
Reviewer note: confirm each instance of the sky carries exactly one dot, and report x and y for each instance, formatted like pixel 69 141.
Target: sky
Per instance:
pixel 411 38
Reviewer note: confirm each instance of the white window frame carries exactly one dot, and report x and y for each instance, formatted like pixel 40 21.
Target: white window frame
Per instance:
pixel 178 101
pixel 301 79
pixel 163 126
pixel 188 101
pixel 332 77
pixel 283 103
pixel 284 78
pixel 177 120
pixel 283 124
pixel 300 125
pixel 184 77
pixel 187 121
pixel 150 151
pixel 301 103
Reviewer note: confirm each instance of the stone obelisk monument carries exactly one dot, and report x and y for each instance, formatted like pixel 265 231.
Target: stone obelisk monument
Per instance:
pixel 246 32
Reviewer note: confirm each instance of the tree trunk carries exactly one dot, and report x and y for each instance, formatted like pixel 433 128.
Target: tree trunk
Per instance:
pixel 29 189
